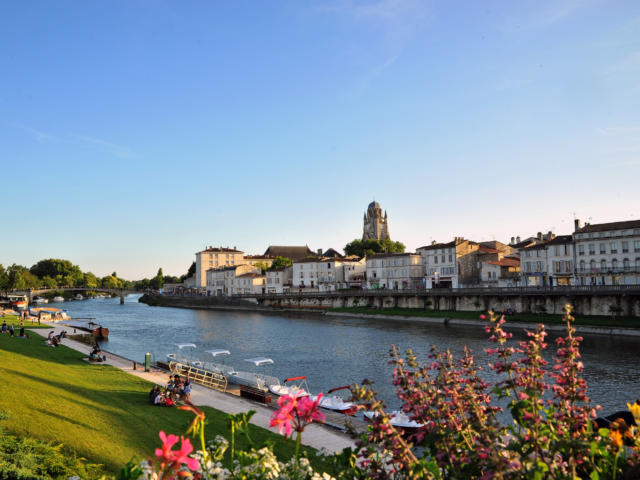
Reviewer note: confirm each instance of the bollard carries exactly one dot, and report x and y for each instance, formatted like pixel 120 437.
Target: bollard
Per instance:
pixel 147 362
pixel 134 365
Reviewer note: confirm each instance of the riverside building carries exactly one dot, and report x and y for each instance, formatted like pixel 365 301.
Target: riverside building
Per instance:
pixel 607 253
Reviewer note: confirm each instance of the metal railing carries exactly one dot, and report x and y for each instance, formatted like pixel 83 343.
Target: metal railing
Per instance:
pixel 198 375
pixel 381 292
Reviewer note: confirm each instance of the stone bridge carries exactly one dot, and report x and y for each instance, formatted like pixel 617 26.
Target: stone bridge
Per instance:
pixel 587 300
pixel 112 291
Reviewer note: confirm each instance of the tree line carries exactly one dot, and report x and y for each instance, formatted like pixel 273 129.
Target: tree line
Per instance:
pixel 58 273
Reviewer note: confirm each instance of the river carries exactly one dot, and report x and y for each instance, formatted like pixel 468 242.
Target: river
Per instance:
pixel 333 351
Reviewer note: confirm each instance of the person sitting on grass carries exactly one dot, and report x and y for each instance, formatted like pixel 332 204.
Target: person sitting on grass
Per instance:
pixel 4 326
pixel 154 393
pixel 96 354
pixel 11 332
pixel 160 399
pixel 22 335
pixel 185 390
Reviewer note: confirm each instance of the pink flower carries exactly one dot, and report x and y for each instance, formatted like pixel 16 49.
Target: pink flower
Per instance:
pixel 283 418
pixel 295 413
pixel 168 456
pixel 165 452
pixel 307 410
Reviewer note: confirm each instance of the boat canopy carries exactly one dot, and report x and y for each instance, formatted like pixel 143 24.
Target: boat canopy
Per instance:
pixel 184 345
pixel 259 361
pixel 218 351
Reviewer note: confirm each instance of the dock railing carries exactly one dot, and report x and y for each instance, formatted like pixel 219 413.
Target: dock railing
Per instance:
pixel 198 375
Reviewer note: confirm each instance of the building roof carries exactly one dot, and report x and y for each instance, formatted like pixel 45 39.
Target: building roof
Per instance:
pixel 292 252
pixel 251 274
pixel 373 204
pixel 537 246
pixel 560 239
pixel 436 246
pixel 220 250
pixel 524 243
pixel 331 253
pixel 259 257
pixel 313 260
pixel 603 227
pixel 485 249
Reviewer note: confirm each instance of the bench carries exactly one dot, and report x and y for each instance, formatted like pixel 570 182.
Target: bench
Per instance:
pixel 255 394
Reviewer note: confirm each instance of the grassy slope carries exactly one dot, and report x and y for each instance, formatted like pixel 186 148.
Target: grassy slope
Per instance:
pixel 98 411
pixel 594 320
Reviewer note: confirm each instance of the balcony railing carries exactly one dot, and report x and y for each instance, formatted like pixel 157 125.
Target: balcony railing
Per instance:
pixel 605 270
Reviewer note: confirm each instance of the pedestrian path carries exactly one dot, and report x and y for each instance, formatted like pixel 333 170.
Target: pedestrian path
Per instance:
pixel 315 435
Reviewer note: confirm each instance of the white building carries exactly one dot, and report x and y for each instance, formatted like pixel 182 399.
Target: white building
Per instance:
pixel 279 281
pixel 221 281
pixel 440 264
pixel 560 261
pixel 501 273
pixel 534 265
pixel 607 253
pixel 305 274
pixel 355 272
pixel 248 283
pixel 396 271
pixel 215 258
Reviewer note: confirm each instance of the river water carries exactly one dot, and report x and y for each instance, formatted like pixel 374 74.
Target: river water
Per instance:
pixel 333 351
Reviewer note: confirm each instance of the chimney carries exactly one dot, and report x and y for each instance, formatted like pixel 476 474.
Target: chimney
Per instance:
pixel 433 242
pixel 513 240
pixel 234 247
pixel 539 236
pixel 517 239
pixel 576 224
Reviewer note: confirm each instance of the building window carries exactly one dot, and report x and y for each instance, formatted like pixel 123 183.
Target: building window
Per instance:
pixel 636 246
pixel 450 258
pixel 581 249
pixel 582 266
pixel 625 247
pixel 614 247
pixel 603 248
pixel 592 249
pixel 603 265
pixel 592 265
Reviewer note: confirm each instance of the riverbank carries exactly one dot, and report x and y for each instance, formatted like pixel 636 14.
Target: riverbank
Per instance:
pixel 598 325
pixel 101 411
pixel 520 325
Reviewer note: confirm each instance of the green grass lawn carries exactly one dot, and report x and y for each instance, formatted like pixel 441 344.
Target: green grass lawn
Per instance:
pixel 97 411
pixel 592 320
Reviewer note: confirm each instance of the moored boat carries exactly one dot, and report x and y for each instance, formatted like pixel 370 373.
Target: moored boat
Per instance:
pixel 398 419
pixel 58 298
pixel 336 403
pixel 299 389
pixel 184 355
pixel 256 379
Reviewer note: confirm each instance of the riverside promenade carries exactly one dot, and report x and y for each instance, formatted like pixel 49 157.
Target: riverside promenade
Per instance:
pixel 318 436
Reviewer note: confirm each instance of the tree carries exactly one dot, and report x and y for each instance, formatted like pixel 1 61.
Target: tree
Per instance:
pixel 262 266
pixel 90 280
pixel 280 262
pixel 20 278
pixel 49 282
pixel 4 279
pixel 369 247
pixel 110 281
pixel 191 272
pixel 158 280
pixel 53 267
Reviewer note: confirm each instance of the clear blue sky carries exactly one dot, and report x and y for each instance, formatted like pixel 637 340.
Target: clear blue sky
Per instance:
pixel 134 133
